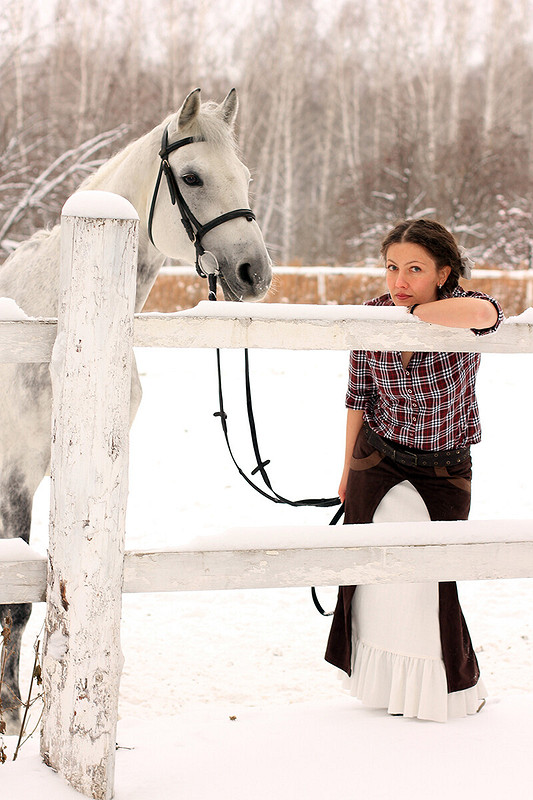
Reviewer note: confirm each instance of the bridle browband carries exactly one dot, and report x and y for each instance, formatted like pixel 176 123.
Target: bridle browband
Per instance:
pixel 195 230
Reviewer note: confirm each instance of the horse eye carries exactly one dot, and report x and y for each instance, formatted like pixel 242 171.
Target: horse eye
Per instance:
pixel 191 179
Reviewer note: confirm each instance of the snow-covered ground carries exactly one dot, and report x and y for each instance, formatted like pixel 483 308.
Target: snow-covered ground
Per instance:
pixel 193 660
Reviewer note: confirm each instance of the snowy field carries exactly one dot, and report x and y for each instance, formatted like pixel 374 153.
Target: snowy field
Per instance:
pixel 193 660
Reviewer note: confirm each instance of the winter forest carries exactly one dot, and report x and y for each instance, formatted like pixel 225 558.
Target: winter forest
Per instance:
pixel 353 114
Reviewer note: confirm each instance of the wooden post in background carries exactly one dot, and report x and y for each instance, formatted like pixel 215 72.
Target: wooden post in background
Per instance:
pixel 91 378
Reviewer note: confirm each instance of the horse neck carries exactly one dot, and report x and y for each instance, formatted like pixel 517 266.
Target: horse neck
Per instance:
pixel 121 175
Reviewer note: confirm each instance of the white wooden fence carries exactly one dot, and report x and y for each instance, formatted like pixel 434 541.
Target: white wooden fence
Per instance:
pixel 90 348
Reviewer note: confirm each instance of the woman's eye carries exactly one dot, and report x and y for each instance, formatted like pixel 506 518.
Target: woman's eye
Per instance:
pixel 191 179
pixel 391 267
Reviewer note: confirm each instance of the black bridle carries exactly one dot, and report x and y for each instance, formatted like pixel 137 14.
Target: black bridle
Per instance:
pixel 195 230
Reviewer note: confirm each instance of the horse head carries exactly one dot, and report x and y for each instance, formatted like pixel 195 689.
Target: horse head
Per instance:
pixel 200 204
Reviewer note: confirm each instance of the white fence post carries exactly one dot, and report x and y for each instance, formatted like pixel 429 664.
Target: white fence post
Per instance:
pixel 91 377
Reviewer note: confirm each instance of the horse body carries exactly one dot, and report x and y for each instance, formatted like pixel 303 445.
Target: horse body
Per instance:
pixel 214 181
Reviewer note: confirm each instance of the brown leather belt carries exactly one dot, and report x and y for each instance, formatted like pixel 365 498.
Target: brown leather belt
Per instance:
pixel 409 457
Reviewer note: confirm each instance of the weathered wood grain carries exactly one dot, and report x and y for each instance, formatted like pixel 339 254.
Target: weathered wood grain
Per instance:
pixel 147 571
pixel 91 381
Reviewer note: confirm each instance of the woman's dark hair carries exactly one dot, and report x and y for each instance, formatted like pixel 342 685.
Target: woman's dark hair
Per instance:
pixel 434 238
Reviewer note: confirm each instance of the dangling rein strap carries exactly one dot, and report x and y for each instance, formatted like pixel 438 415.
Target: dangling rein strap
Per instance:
pixel 338 514
pixel 260 463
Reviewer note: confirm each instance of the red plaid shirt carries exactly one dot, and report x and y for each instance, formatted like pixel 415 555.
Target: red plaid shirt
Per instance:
pixel 430 405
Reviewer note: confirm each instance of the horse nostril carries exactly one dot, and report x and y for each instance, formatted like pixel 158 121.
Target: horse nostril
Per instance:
pixel 245 274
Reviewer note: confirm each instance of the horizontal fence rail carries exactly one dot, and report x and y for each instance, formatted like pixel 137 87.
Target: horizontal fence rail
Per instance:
pixel 425 551
pixel 27 341
pixel 340 329
pixel 287 327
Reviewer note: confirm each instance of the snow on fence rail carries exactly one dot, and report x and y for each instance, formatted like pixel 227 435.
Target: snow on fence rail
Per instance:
pixel 87 570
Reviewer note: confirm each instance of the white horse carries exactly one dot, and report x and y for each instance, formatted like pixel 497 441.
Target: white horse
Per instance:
pixel 208 188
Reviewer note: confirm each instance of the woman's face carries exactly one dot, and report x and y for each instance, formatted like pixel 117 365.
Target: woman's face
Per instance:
pixel 412 275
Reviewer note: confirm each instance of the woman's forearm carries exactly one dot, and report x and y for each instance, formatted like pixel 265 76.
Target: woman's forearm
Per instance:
pixel 459 312
pixel 354 423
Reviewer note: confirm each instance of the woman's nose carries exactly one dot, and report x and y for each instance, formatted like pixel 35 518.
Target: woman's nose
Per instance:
pixel 401 279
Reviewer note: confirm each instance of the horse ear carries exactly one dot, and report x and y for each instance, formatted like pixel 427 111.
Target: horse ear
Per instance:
pixel 189 110
pixel 228 109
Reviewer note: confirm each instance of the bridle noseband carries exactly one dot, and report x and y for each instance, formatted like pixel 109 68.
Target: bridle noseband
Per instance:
pixel 195 230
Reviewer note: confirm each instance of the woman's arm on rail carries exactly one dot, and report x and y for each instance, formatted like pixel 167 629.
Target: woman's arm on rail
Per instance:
pixel 459 312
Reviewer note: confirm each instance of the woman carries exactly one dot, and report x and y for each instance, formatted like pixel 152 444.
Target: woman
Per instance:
pixel 411 420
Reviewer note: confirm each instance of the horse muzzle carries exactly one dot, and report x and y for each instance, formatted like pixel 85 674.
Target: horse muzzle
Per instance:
pixel 247 281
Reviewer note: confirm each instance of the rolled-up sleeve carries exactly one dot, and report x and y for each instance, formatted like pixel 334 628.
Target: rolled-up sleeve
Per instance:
pixel 360 383
pixel 497 306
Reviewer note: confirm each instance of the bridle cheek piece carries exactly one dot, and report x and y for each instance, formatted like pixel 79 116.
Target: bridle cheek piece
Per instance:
pixel 206 262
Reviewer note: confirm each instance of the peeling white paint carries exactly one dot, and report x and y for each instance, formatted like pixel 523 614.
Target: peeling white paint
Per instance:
pixel 57 646
pixel 91 379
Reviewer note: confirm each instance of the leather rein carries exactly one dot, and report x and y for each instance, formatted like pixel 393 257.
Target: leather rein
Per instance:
pixel 209 269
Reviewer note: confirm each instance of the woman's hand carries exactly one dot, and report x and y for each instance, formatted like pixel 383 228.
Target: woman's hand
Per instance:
pixel 342 485
pixel 354 423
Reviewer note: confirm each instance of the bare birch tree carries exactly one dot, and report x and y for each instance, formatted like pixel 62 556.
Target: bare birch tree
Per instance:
pixel 351 116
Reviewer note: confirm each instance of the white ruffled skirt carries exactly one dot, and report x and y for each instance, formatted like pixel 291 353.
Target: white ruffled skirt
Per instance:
pixel 396 650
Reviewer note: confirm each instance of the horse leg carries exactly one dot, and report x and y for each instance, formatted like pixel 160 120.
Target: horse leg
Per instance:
pixel 24 459
pixel 13 619
pixel 15 520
